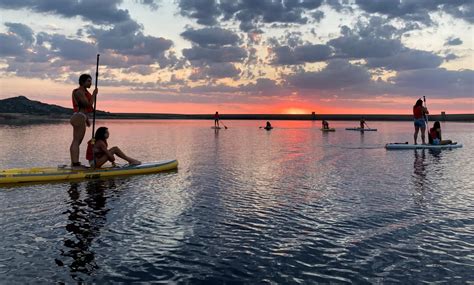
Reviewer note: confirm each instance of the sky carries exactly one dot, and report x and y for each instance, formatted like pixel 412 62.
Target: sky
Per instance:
pixel 242 56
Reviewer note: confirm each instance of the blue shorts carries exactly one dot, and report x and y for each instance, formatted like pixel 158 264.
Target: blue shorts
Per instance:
pixel 436 141
pixel 420 123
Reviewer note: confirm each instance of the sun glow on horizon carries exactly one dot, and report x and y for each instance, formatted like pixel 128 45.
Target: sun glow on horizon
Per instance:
pixel 296 111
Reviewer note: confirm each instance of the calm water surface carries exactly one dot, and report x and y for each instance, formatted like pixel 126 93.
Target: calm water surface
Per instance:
pixel 293 205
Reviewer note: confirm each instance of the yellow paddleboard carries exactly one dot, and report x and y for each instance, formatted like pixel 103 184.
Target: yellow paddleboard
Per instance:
pixel 48 174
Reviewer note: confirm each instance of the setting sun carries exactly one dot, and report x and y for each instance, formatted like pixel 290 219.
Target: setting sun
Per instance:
pixel 296 111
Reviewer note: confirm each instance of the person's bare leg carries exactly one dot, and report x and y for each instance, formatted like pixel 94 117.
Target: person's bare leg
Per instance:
pixel 415 136
pixel 423 129
pixel 121 154
pixel 79 130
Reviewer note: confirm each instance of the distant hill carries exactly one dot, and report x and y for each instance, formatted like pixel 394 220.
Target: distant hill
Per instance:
pixel 23 105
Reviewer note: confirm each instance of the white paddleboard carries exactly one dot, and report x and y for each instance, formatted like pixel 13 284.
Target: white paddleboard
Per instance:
pixel 421 146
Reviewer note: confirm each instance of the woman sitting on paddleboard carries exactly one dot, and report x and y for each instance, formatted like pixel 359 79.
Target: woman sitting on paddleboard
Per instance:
pixel 434 135
pixel 82 102
pixel 102 153
pixel 419 112
pixel 362 123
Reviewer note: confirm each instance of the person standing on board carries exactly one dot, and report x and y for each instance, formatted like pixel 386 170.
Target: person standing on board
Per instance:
pixel 83 103
pixel 419 112
pixel 216 120
pixel 362 123
pixel 325 124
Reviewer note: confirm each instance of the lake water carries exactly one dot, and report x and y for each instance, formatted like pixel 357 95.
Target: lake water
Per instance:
pixel 291 205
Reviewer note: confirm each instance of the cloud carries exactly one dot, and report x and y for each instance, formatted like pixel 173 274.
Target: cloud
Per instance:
pixel 372 39
pixel 249 13
pixel 336 75
pixel 205 11
pixel 211 37
pixel 438 82
pixel 99 12
pixel 72 49
pixel 12 45
pixel 285 55
pixel 221 54
pixel 140 69
pixel 357 47
pixel 263 86
pixel 222 70
pixel 127 38
pixel 453 41
pixel 22 31
pixel 450 56
pixel 408 59
pixel 418 10
pixel 152 3
pixel 463 9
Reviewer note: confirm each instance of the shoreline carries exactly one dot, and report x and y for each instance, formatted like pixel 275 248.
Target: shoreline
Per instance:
pixel 20 118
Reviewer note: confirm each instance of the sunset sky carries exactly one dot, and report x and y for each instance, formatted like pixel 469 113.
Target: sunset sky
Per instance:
pixel 242 56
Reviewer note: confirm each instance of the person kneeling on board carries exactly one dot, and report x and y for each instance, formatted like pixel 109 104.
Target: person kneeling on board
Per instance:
pixel 99 151
pixel 325 124
pixel 434 135
pixel 268 126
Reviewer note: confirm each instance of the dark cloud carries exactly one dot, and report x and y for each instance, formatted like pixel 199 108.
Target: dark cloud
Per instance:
pixel 453 42
pixel 11 45
pixel 418 10
pixel 373 39
pixel 356 47
pixel 221 54
pixel 338 74
pixel 253 14
pixel 450 56
pixel 285 55
pixel 211 37
pixel 463 9
pixel 140 69
pixel 409 59
pixel 22 31
pixel 205 11
pixel 263 86
pixel 438 82
pixel 222 70
pixel 127 38
pixel 100 12
pixel 318 16
pixel 72 49
pixel 154 4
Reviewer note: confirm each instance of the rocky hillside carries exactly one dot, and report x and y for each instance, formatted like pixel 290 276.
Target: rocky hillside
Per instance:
pixel 23 105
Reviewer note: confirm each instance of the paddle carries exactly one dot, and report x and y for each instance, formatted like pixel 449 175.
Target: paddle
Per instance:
pixel 95 105
pixel 424 114
pixel 225 127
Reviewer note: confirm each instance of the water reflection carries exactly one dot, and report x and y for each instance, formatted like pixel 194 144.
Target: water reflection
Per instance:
pixel 86 217
pixel 419 172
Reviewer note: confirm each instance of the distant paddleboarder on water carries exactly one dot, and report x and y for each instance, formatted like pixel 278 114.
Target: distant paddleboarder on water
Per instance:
pixel 325 125
pixel 363 123
pixel 419 114
pixel 268 126
pixel 216 120
pixel 82 102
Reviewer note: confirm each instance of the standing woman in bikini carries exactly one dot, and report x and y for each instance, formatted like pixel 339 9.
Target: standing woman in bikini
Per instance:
pixel 83 103
pixel 419 112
